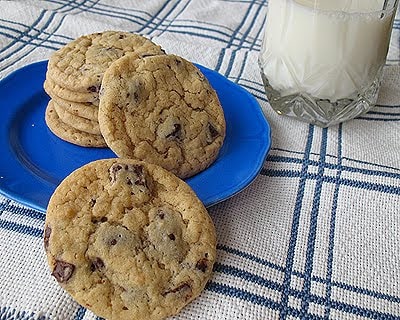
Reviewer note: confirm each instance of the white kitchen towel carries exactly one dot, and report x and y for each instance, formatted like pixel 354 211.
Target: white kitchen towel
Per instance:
pixel 315 236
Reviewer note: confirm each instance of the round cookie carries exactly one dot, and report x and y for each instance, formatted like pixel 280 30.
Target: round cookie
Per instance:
pixel 79 65
pixel 85 110
pixel 77 122
pixel 54 91
pixel 161 109
pixel 129 240
pixel 68 133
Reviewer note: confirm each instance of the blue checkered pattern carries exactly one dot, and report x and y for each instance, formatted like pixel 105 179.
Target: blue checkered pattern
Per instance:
pixel 315 236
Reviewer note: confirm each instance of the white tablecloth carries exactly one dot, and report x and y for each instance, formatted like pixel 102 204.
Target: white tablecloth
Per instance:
pixel 315 236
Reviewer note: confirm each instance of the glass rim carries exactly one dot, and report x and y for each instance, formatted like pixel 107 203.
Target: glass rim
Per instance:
pixel 330 11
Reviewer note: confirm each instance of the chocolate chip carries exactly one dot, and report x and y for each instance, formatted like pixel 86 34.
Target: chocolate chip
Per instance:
pixel 176 133
pixel 124 308
pixel 202 264
pixel 144 55
pixel 138 169
pixel 47 233
pixel 96 264
pixel 136 174
pixel 121 36
pixel 93 89
pixel 92 202
pixel 183 289
pixel 212 133
pixel 136 97
pixel 171 236
pixel 113 242
pixel 63 271
pixel 161 215
pixel 103 219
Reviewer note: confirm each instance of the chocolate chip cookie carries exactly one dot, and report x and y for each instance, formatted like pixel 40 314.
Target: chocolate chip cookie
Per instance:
pixel 77 122
pixel 129 240
pixel 55 91
pixel 85 110
pixel 68 133
pixel 161 109
pixel 79 65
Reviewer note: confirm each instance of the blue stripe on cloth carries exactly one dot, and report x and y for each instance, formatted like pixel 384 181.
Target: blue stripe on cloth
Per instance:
pixel 80 313
pixel 220 60
pixel 295 222
pixel 22 34
pixel 23 229
pixel 370 172
pixel 344 158
pixel 70 6
pixel 332 223
pixel 23 211
pixel 341 285
pixel 257 40
pixel 214 29
pixel 35 37
pixel 240 25
pixel 249 257
pixel 9 313
pixel 230 64
pixel 313 224
pixel 103 10
pixel 245 275
pixel 384 113
pixel 248 276
pixel 124 11
pixel 387 106
pixel 242 294
pixel 241 69
pixel 164 28
pixel 153 17
pixel 157 15
pixel 384 188
pixel 287 310
pixel 378 119
pixel 6 33
pixel 252 24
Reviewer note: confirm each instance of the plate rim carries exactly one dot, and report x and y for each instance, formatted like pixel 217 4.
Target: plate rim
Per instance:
pixel 212 199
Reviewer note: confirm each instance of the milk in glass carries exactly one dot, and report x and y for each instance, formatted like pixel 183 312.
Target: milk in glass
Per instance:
pixel 329 49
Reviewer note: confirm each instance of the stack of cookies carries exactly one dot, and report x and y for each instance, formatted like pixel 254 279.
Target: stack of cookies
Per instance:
pixel 73 81
pixel 121 90
pixel 126 237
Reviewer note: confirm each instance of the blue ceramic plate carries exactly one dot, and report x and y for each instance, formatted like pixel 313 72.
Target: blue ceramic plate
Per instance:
pixel 33 161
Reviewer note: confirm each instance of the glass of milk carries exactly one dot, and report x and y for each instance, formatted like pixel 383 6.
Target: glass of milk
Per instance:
pixel 321 60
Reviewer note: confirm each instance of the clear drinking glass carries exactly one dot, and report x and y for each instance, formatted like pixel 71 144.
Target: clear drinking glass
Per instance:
pixel 322 60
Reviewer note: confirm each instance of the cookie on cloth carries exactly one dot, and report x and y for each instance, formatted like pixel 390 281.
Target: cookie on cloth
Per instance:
pixel 80 64
pixel 77 122
pixel 129 240
pixel 161 109
pixel 68 133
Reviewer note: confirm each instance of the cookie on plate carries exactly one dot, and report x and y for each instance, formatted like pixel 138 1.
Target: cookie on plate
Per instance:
pixel 77 122
pixel 85 110
pixel 161 109
pixel 80 64
pixel 55 91
pixel 129 240
pixel 68 133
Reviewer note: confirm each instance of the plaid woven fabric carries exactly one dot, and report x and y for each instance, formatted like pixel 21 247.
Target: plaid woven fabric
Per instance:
pixel 315 236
